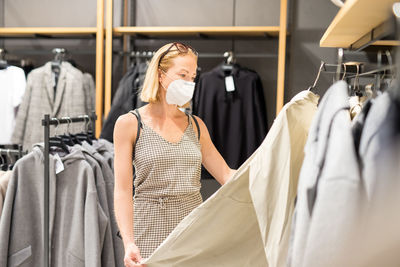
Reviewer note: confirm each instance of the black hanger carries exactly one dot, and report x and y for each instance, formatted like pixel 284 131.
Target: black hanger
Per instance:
pixel 3 165
pixel 84 136
pixel 57 141
pixel 69 139
pixel 3 61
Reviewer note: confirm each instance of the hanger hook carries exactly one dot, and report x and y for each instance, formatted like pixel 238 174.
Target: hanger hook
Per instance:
pixel 55 129
pixel 9 155
pixel 69 123
pixel 357 79
pixel 319 73
pixel 340 60
pixel 345 69
pixel 88 122
pixel 390 60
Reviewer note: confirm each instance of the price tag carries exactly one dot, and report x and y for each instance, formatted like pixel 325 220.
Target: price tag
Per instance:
pixel 59 164
pixel 229 84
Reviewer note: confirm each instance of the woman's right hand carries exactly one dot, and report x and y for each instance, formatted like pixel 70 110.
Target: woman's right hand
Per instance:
pixel 132 256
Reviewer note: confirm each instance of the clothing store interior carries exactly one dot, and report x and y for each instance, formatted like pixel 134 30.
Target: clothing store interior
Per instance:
pixel 261 133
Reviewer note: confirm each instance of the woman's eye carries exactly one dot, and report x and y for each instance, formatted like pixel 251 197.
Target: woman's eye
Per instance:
pixel 182 75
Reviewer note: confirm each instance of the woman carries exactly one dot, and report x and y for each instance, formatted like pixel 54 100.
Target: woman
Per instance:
pixel 167 148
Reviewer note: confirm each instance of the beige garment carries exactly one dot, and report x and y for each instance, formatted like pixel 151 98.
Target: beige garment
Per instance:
pixel 4 178
pixel 247 221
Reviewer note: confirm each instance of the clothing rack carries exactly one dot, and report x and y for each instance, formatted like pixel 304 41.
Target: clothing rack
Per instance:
pixel 46 122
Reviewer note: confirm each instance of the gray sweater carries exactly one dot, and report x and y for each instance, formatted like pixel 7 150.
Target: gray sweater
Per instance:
pixel 77 221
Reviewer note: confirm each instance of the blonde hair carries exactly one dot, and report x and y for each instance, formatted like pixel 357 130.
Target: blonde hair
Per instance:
pixel 150 90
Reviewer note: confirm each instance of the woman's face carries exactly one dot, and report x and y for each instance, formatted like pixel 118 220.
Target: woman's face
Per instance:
pixel 184 68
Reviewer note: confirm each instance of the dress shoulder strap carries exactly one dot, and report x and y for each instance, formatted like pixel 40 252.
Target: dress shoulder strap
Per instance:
pixel 140 125
pixel 196 122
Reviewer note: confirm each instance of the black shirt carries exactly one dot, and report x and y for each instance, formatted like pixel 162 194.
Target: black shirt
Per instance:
pixel 236 120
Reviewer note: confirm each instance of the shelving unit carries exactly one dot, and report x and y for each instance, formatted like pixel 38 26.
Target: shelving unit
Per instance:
pixel 360 23
pixel 198 32
pixel 72 32
pixel 259 31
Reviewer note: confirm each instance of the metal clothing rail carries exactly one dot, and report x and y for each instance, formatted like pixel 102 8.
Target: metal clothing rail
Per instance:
pixel 46 122
pixel 149 54
pixel 12 152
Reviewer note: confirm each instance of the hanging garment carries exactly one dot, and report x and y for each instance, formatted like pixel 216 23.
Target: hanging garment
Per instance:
pixel 107 254
pixel 4 179
pixel 106 149
pixel 330 192
pixel 126 98
pixel 39 100
pixel 236 120
pixel 90 93
pixel 108 175
pixel 380 157
pixel 12 88
pixel 77 222
pixel 167 184
pixel 247 221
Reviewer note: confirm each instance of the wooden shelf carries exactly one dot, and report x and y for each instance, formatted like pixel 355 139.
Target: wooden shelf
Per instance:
pixel 356 21
pixel 386 43
pixel 256 31
pixel 46 31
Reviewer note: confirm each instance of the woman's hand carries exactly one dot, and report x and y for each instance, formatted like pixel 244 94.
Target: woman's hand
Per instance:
pixel 132 256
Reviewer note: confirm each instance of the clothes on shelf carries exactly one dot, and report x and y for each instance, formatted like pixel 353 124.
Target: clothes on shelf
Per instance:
pixel 12 88
pixel 126 98
pixel 232 105
pixel 83 230
pixel 247 221
pixel 73 94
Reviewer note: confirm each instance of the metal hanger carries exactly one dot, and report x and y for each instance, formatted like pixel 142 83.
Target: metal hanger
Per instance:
pixel 318 74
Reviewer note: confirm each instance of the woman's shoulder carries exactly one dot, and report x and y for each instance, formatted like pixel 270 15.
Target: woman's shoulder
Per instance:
pixel 127 121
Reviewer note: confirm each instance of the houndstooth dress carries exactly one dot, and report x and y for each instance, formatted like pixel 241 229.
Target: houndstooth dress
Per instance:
pixel 167 184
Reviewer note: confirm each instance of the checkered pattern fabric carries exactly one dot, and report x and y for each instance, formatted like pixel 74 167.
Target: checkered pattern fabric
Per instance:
pixel 167 185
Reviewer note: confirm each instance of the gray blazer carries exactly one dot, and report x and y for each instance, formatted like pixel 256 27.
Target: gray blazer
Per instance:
pixel 330 191
pixel 77 222
pixel 39 99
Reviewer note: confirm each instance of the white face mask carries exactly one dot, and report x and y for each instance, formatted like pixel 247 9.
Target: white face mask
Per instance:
pixel 179 92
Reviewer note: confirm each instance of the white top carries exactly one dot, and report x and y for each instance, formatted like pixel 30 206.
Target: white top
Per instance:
pixel 12 88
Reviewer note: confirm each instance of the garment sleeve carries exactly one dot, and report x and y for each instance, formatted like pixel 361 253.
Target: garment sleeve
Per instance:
pixel 93 231
pixel 90 93
pixel 5 223
pixel 22 114
pixel 260 111
pixel 19 85
pixel 196 96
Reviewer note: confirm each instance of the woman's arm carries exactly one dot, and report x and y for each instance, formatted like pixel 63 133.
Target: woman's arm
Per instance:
pixel 124 138
pixel 212 159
